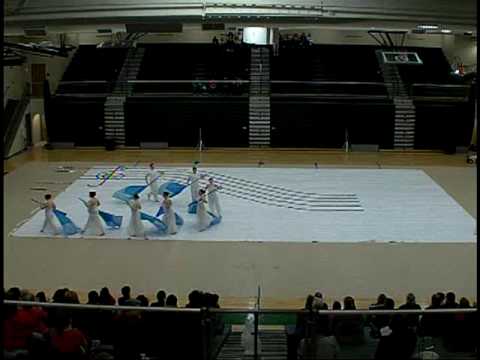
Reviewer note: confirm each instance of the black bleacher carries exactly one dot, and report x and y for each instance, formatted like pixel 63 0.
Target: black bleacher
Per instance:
pixel 92 64
pixel 189 62
pixel 327 63
pixel 314 123
pixel 434 70
pixel 76 120
pixel 320 92
pixel 177 120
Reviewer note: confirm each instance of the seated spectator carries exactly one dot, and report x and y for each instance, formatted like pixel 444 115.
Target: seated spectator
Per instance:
pixel 71 297
pixel 464 329
pixel 302 318
pixel 105 297
pixel 21 324
pixel 93 298
pixel 441 296
pixel 41 297
pixel 13 294
pixel 130 333
pixel 143 300
pixel 412 320
pixel 322 322
pixel 195 299
pixel 349 328
pixel 59 296
pixel 67 341
pixel 397 341
pixel 336 305
pixel 171 301
pixel 450 302
pixel 430 324
pixel 322 347
pixel 160 299
pixel 125 295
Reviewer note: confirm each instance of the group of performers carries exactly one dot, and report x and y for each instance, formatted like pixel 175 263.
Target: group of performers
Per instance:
pixel 94 227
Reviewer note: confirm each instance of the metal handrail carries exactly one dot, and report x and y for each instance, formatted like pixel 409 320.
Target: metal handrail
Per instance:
pixel 442 85
pixel 232 310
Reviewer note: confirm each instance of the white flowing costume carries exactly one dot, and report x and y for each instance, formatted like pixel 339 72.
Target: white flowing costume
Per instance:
pixel 194 180
pixel 94 224
pixel 49 225
pixel 213 202
pixel 169 216
pixel 152 175
pixel 135 227
pixel 203 217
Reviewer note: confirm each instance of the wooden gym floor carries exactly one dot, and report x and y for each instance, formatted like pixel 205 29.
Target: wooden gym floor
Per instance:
pixel 286 272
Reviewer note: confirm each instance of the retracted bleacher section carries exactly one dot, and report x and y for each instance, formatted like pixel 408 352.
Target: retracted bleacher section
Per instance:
pixel 319 95
pixel 323 93
pixel 444 107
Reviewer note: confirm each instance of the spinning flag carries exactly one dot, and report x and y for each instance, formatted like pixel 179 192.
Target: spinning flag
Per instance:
pixel 127 193
pixel 192 207
pixel 172 187
pixel 215 219
pixel 178 219
pixel 159 224
pixel 113 221
pixel 68 226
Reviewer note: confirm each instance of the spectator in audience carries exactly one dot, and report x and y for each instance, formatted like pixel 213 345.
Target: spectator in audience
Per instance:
pixel 59 295
pixel 160 299
pixel 464 329
pixel 143 300
pixel 380 302
pixel 195 299
pixel 171 301
pixel 71 297
pixel 336 305
pixel 125 295
pixel 397 340
pixel 93 298
pixel 450 302
pixel 20 325
pixel 66 340
pixel 41 297
pixel 349 328
pixel 215 41
pixel 302 318
pixel 13 294
pixel 430 324
pixel 412 320
pixel 322 322
pixel 105 297
pixel 441 296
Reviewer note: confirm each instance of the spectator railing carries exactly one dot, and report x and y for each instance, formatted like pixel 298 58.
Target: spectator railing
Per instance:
pixel 435 91
pixel 202 334
pixel 330 88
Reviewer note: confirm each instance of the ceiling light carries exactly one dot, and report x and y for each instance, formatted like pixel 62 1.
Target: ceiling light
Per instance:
pixel 427 27
pixel 446 31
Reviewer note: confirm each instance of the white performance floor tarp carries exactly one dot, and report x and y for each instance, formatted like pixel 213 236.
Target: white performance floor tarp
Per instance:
pixel 287 205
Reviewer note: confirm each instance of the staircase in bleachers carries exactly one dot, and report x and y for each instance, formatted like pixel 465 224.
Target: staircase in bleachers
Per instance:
pixel 259 100
pixel 404 128
pixel 115 104
pixel 273 346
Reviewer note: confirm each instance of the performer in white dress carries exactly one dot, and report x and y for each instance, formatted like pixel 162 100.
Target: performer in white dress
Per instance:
pixel 169 214
pixel 49 225
pixel 149 179
pixel 94 224
pixel 135 227
pixel 203 217
pixel 194 181
pixel 213 201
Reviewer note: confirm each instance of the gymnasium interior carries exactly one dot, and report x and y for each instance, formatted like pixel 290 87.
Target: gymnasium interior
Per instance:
pixel 340 138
